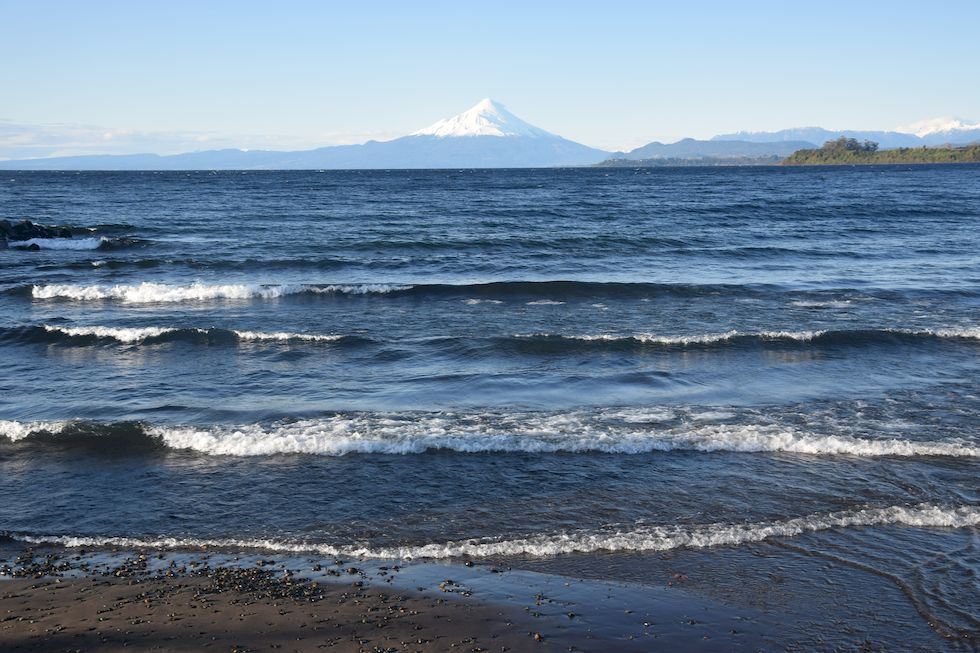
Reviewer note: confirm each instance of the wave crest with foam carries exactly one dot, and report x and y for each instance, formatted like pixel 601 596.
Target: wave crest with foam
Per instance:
pixel 803 336
pixel 638 539
pixel 626 433
pixel 134 335
pixel 149 293
pixel 76 244
pixel 345 435
pixel 120 334
pixel 694 339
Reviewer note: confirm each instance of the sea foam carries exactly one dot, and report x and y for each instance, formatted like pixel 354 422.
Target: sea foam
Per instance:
pixel 635 539
pixel 147 292
pixel 693 339
pixel 133 335
pixel 630 433
pixel 124 335
pixel 968 333
pixel 285 336
pixel 344 435
pixel 61 243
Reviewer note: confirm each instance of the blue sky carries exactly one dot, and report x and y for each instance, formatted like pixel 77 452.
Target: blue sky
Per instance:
pixel 176 76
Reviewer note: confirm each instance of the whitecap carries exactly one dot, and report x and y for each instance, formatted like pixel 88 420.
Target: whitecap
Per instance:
pixel 121 334
pixel 635 539
pixel 149 292
pixel 623 431
pixel 399 435
pixel 131 335
pixel 967 333
pixel 78 244
pixel 286 336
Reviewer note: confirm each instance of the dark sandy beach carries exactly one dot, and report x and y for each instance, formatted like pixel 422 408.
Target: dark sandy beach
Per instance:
pixel 191 614
pixel 765 597
pixel 109 600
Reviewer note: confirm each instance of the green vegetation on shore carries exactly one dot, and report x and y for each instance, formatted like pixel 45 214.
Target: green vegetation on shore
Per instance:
pixel 848 151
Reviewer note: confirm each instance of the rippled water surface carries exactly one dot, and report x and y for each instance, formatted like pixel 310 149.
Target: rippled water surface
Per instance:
pixel 537 365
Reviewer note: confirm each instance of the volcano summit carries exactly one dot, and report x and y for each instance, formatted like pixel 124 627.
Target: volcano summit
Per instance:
pixel 485 136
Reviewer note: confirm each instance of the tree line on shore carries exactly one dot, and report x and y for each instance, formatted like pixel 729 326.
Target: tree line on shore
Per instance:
pixel 850 151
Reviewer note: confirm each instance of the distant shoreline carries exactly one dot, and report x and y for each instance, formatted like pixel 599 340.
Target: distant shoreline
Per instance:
pixel 611 163
pixel 694 162
pixel 844 152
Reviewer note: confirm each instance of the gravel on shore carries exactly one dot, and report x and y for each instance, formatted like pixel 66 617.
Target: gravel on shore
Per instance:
pixel 229 609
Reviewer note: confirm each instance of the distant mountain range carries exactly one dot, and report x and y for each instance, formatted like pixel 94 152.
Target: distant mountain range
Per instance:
pixel 485 136
pixel 690 148
pixel 938 131
pixel 490 136
pixel 782 143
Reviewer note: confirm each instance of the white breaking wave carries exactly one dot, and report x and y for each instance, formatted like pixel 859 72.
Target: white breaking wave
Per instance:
pixel 710 338
pixel 695 339
pixel 147 292
pixel 631 431
pixel 60 243
pixel 545 302
pixel 474 302
pixel 126 335
pixel 644 538
pixel 801 336
pixel 963 332
pixel 284 336
pixel 361 288
pixel 343 435
pixel 139 334
pixel 156 292
pixel 14 431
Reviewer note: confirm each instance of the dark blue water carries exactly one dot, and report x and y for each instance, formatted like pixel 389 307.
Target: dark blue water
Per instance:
pixel 541 365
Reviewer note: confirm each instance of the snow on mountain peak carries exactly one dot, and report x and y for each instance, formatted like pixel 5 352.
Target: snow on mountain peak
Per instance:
pixel 486 118
pixel 936 126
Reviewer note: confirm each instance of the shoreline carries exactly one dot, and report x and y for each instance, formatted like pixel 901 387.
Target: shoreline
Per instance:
pixel 195 613
pixel 156 601
pixel 83 600
pixel 764 596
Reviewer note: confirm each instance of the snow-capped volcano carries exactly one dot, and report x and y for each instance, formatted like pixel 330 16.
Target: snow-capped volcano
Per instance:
pixel 923 128
pixel 486 118
pixel 486 136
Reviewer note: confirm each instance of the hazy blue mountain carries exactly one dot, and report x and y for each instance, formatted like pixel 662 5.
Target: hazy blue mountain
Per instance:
pixel 819 136
pixel 486 136
pixel 935 131
pixel 490 136
pixel 690 148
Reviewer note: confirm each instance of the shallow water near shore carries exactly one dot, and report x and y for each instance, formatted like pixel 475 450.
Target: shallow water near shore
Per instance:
pixel 763 380
pixel 762 597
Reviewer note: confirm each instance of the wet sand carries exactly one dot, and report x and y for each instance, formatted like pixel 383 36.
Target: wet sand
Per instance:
pixel 52 599
pixel 193 614
pixel 765 597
